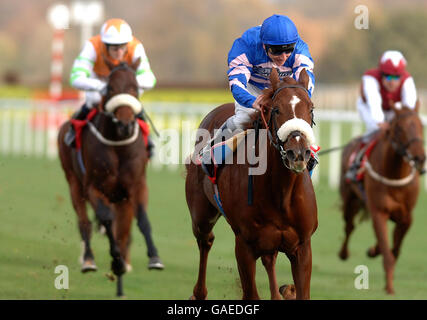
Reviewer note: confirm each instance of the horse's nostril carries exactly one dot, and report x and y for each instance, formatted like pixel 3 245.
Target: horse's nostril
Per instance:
pixel 290 155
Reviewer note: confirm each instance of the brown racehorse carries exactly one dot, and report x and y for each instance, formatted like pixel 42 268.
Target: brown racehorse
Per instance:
pixel 391 186
pixel 111 172
pixel 283 215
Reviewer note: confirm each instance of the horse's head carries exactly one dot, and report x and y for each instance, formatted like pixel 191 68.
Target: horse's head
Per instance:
pixel 406 136
pixel 291 119
pixel 121 97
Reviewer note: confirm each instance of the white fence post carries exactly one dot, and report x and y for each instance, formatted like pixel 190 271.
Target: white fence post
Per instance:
pixel 334 157
pixel 30 127
pixel 5 132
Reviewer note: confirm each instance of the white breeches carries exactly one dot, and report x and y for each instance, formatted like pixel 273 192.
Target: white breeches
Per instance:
pixel 92 98
pixel 244 117
pixel 371 121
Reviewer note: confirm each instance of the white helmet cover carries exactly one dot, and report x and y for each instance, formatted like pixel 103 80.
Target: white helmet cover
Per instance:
pixel 116 31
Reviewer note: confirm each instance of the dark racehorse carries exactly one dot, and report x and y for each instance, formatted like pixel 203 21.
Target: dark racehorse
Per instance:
pixel 110 172
pixel 391 185
pixel 283 215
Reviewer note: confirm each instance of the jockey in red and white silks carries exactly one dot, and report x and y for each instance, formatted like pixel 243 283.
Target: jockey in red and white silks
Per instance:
pixel 387 84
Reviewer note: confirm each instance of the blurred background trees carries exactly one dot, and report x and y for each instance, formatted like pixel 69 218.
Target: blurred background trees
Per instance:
pixel 187 41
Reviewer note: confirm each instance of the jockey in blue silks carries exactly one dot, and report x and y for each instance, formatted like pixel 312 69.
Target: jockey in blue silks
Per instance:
pixel 274 44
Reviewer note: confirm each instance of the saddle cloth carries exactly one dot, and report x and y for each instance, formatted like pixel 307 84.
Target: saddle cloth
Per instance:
pixel 366 151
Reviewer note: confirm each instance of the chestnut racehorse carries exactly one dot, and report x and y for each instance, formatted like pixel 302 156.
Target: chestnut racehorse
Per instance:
pixel 390 184
pixel 110 171
pixel 283 215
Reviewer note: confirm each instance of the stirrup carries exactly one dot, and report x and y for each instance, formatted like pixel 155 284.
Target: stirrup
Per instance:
pixel 70 137
pixel 351 173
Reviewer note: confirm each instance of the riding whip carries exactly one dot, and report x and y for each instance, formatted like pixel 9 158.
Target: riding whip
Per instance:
pixel 320 153
pixel 151 122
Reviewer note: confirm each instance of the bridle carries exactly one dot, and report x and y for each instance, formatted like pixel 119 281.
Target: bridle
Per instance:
pixel 120 66
pixel 271 125
pixel 402 149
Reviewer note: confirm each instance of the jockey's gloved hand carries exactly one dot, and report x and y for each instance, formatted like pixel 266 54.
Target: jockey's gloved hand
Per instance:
pixel 102 87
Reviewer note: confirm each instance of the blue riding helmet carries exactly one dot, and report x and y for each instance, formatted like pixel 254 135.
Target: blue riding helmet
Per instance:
pixel 278 30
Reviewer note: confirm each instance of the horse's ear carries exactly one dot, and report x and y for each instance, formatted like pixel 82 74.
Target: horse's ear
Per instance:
pixel 274 79
pixel 135 65
pixel 109 64
pixel 304 78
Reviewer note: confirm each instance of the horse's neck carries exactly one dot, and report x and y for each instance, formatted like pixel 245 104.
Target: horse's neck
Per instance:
pixel 279 177
pixel 393 164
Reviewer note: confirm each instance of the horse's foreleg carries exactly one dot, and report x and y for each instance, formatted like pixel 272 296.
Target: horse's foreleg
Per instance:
pixel 399 233
pixel 301 270
pixel 380 226
pixel 85 226
pixel 123 222
pixel 351 208
pixel 246 263
pixel 106 216
pixel 204 243
pixel 269 262
pixel 145 228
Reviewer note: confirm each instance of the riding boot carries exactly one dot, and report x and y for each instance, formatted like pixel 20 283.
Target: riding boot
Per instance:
pixel 206 157
pixel 312 162
pixel 150 144
pixel 352 171
pixel 70 136
pixel 150 147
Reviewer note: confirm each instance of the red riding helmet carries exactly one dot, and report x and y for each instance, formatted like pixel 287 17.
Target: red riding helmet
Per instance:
pixel 392 62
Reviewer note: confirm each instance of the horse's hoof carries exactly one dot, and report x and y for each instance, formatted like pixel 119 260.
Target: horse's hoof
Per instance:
pixel 372 252
pixel 343 254
pixel 288 292
pixel 118 266
pixel 128 267
pixel 89 266
pixel 390 291
pixel 192 298
pixel 155 263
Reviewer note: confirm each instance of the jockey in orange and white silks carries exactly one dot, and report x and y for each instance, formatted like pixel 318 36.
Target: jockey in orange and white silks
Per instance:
pixel 89 72
pixel 116 43
pixel 387 84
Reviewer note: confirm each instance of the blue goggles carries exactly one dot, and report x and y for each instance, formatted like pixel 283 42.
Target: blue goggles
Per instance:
pixel 390 77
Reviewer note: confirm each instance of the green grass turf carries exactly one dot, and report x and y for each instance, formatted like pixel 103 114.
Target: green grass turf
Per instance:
pixel 38 231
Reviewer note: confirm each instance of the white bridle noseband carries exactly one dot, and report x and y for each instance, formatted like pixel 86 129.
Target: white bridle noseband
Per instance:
pixel 123 99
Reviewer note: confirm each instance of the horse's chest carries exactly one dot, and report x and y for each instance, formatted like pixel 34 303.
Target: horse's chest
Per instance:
pixel 270 236
pixel 110 173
